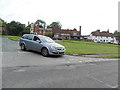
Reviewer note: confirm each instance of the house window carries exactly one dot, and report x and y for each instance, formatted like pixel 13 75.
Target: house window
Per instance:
pixel 62 34
pixel 40 31
pixel 68 34
pixel 74 33
pixel 56 35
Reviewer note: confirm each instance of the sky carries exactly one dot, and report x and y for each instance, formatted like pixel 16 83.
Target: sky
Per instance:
pixel 90 14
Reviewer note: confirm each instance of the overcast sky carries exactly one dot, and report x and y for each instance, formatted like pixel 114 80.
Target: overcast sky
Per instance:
pixel 90 14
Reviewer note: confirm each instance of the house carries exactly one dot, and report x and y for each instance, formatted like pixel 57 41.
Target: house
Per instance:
pixel 66 33
pixel 38 30
pixel 103 37
pixel 57 33
pixel 116 39
pixel 2 29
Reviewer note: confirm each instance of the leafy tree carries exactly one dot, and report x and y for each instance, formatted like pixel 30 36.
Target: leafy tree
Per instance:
pixel 40 23
pixel 15 28
pixel 48 26
pixel 55 25
pixel 116 32
pixel 2 23
pixel 26 30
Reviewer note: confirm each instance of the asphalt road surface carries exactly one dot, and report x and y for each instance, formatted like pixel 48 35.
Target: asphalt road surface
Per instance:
pixel 28 69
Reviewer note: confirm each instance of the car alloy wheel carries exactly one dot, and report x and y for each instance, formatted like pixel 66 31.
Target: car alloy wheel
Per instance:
pixel 23 47
pixel 45 52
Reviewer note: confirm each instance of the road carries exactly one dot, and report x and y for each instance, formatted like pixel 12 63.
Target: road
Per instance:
pixel 28 69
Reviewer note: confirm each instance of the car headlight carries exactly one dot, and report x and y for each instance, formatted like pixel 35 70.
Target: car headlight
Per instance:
pixel 52 47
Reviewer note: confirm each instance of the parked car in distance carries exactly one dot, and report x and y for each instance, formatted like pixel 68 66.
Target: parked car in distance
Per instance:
pixel 42 44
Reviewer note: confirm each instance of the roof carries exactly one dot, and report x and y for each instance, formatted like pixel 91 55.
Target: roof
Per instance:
pixel 61 31
pixel 117 36
pixel 104 33
pixel 67 31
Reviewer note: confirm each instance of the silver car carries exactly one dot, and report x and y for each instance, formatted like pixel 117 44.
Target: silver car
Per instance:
pixel 42 44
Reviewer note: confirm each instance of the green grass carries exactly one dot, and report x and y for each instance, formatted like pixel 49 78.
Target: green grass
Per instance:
pixel 79 47
pixel 113 56
pixel 15 38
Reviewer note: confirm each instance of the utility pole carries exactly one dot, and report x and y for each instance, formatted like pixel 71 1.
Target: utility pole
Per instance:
pixel 44 29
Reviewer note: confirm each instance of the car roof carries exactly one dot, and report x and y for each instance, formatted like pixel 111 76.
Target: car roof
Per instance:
pixel 34 35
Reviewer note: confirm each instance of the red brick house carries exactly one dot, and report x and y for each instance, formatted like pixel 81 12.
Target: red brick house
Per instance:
pixel 67 33
pixel 57 33
pixel 42 31
pixel 2 29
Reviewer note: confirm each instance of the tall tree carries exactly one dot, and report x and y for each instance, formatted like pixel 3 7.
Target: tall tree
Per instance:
pixel 26 30
pixel 2 23
pixel 40 23
pixel 55 25
pixel 15 28
pixel 116 32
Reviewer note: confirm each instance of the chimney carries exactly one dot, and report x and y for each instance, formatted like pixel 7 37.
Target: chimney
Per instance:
pixel 108 30
pixel 80 29
pixel 98 30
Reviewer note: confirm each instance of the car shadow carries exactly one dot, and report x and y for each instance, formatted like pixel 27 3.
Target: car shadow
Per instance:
pixel 50 56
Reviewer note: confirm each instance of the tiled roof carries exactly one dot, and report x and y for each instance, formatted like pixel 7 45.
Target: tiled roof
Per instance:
pixel 98 33
pixel 61 31
pixel 117 36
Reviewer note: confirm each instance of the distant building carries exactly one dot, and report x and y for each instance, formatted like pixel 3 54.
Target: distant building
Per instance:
pixel 67 33
pixel 104 36
pixel 2 29
pixel 38 30
pixel 57 33
pixel 117 38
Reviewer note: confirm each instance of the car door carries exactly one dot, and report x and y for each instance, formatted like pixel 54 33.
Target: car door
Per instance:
pixel 29 40
pixel 36 44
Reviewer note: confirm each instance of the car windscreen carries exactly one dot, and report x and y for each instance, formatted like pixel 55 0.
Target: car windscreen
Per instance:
pixel 46 39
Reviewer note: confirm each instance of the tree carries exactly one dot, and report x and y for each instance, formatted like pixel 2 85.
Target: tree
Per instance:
pixel 26 30
pixel 116 32
pixel 15 28
pixel 55 25
pixel 40 23
pixel 3 25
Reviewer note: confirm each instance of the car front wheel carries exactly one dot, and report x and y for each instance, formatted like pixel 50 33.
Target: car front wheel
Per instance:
pixel 45 52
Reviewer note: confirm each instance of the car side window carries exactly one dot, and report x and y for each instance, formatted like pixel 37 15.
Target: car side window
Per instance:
pixel 25 36
pixel 36 38
pixel 30 37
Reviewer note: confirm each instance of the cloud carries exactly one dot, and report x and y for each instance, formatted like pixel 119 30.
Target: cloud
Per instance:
pixel 91 14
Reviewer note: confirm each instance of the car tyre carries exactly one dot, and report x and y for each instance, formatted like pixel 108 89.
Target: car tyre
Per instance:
pixel 44 52
pixel 23 48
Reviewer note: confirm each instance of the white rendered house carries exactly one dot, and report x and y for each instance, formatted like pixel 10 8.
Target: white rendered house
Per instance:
pixel 104 37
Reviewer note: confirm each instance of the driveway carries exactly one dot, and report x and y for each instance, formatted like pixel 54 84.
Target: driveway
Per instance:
pixel 28 69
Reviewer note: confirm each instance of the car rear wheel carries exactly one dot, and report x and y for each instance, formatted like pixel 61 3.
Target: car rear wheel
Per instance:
pixel 23 48
pixel 45 52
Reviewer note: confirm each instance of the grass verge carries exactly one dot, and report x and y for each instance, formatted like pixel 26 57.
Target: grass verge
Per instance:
pixel 81 48
pixel 113 56
pixel 15 38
